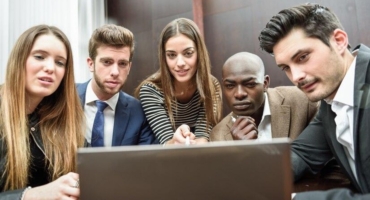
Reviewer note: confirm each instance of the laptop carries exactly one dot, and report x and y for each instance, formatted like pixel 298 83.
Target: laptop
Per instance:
pixel 219 170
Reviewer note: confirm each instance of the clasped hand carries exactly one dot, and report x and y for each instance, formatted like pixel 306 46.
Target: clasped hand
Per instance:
pixel 244 128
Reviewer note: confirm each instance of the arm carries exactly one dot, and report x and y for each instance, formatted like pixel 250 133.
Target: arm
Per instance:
pixel 153 105
pixel 202 131
pixel 146 134
pixel 310 151
pixel 62 188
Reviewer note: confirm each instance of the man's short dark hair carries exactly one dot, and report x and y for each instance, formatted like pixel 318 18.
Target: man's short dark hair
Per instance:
pixel 315 20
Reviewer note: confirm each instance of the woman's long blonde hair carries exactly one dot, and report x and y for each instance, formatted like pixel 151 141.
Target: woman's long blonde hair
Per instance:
pixel 61 116
pixel 207 85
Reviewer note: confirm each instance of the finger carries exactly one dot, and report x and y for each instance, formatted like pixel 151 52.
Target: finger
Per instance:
pixel 73 175
pixel 251 135
pixel 184 128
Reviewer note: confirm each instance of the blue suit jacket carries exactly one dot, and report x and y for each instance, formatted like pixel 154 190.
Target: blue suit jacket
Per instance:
pixel 130 124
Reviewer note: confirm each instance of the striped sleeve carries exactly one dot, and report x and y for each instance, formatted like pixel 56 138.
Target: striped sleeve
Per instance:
pixel 153 105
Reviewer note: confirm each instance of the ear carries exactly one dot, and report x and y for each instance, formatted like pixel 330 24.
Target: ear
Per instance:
pixel 90 63
pixel 340 40
pixel 266 82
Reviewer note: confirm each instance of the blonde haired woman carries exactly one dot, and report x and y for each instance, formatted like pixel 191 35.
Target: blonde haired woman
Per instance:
pixel 41 119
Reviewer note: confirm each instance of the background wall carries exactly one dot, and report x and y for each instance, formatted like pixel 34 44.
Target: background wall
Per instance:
pixel 229 27
pixel 77 19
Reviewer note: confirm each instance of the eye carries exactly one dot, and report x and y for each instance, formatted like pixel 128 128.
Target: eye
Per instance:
pixel 188 54
pixel 107 62
pixel 171 55
pixel 60 63
pixel 38 57
pixel 229 86
pixel 251 84
pixel 123 64
pixel 303 57
pixel 285 68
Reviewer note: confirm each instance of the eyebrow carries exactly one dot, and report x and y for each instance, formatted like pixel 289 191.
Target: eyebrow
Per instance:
pixel 189 48
pixel 244 80
pixel 46 52
pixel 108 58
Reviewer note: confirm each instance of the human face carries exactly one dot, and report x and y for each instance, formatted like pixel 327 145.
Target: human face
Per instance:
pixel 181 58
pixel 311 65
pixel 45 67
pixel 244 89
pixel 110 70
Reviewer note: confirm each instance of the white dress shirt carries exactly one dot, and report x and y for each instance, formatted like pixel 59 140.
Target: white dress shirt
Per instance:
pixel 342 106
pixel 264 128
pixel 90 110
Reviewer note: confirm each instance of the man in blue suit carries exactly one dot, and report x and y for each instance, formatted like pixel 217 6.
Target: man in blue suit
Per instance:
pixel 121 118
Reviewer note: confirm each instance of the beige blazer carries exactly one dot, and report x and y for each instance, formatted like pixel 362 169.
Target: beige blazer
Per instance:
pixel 291 112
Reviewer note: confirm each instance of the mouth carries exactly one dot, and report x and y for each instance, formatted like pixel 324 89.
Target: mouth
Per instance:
pixel 112 84
pixel 307 86
pixel 46 79
pixel 182 72
pixel 242 106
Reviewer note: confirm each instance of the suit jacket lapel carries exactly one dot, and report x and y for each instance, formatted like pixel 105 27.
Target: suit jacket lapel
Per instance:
pixel 120 120
pixel 338 149
pixel 280 114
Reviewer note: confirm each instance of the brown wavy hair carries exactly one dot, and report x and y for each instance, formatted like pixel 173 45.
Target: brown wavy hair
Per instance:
pixel 207 85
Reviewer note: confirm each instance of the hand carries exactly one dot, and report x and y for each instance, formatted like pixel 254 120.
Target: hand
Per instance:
pixel 244 128
pixel 179 137
pixel 65 187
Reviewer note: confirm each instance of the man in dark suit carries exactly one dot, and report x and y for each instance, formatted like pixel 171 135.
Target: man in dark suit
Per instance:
pixel 259 112
pixel 311 46
pixel 113 117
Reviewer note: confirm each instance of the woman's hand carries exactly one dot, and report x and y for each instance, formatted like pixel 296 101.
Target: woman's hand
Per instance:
pixel 65 187
pixel 180 135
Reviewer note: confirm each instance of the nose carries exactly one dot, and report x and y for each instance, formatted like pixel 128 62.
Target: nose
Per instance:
pixel 49 66
pixel 240 93
pixel 296 74
pixel 180 61
pixel 114 70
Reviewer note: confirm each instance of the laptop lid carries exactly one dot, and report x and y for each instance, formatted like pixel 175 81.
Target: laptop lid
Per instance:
pixel 218 170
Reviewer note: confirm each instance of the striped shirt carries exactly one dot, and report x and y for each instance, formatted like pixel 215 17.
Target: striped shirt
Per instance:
pixel 191 113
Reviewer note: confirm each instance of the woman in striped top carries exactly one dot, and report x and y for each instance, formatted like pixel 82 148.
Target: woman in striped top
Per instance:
pixel 182 98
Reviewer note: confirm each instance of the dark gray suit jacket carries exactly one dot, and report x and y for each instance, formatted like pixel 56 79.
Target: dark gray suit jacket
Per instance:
pixel 318 144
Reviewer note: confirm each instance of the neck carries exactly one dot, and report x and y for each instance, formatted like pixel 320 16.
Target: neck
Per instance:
pixel 257 116
pixel 31 104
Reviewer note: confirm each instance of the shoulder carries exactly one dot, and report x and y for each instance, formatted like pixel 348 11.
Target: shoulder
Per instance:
pixel 291 95
pixel 220 129
pixel 150 88
pixel 82 86
pixel 222 124
pixel 130 100
pixel 287 92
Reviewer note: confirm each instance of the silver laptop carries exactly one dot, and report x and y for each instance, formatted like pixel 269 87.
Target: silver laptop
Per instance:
pixel 219 170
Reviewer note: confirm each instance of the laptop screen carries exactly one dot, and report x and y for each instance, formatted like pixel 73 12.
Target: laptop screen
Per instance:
pixel 218 170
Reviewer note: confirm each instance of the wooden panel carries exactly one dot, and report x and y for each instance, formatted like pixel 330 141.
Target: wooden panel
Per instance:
pixel 229 27
pixel 146 19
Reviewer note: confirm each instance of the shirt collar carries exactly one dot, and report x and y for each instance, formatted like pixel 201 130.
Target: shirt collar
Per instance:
pixel 91 98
